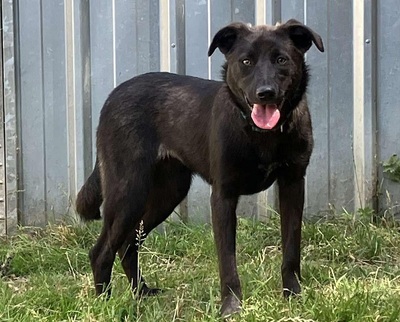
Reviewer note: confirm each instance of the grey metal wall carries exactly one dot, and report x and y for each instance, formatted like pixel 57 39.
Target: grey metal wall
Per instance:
pixel 67 55
pixel 387 98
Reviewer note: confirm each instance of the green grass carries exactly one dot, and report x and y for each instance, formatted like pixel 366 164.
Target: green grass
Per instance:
pixel 350 267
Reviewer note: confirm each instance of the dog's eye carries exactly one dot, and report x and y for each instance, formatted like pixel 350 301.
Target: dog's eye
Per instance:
pixel 281 60
pixel 246 62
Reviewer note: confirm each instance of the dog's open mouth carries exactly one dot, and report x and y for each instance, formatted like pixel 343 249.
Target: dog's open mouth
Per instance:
pixel 265 116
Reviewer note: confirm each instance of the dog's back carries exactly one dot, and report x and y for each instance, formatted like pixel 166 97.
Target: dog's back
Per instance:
pixel 166 112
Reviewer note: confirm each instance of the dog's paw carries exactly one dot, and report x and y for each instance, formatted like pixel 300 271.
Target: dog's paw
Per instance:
pixel 147 291
pixel 231 305
pixel 292 290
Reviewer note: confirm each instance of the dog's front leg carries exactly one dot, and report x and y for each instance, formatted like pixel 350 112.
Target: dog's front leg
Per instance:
pixel 224 225
pixel 291 202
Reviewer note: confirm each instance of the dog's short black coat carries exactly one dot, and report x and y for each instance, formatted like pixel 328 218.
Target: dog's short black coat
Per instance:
pixel 158 129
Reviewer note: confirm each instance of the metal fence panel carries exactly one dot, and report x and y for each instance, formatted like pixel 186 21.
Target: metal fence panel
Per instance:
pixel 388 82
pixel 70 54
pixel 340 98
pixel 102 57
pixel 43 112
pixel 33 200
pixel 317 182
pixel 54 109
pixel 196 40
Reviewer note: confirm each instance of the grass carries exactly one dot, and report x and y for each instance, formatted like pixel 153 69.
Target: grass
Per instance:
pixel 351 271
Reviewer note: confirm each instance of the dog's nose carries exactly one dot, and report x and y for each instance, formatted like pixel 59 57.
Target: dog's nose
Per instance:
pixel 265 92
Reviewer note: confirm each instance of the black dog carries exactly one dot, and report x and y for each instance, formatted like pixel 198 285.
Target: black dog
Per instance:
pixel 157 130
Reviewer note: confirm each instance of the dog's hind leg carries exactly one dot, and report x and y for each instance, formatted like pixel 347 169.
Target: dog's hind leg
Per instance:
pixel 171 183
pixel 125 193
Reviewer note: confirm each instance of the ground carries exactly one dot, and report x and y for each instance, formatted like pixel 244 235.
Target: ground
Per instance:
pixel 350 265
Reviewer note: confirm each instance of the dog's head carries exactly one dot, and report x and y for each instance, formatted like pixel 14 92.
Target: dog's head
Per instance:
pixel 265 67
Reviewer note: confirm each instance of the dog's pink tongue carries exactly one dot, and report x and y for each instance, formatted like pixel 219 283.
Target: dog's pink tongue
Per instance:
pixel 265 116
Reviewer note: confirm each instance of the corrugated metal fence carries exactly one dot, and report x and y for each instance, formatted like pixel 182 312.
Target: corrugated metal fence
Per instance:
pixel 61 58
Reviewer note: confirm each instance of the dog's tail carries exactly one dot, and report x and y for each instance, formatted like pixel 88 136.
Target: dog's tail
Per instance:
pixel 89 198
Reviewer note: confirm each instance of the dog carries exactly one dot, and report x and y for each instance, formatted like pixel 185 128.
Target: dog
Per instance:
pixel 240 135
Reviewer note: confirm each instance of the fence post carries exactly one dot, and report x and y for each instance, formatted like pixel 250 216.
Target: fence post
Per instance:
pixel 78 69
pixel 3 214
pixel 10 146
pixel 364 71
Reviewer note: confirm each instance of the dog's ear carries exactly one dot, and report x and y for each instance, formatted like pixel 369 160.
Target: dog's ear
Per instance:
pixel 225 38
pixel 302 36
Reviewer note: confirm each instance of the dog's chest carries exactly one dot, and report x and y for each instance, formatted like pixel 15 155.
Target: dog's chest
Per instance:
pixel 268 166
pixel 257 171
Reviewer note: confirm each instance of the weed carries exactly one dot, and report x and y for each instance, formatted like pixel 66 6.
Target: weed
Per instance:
pixel 391 168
